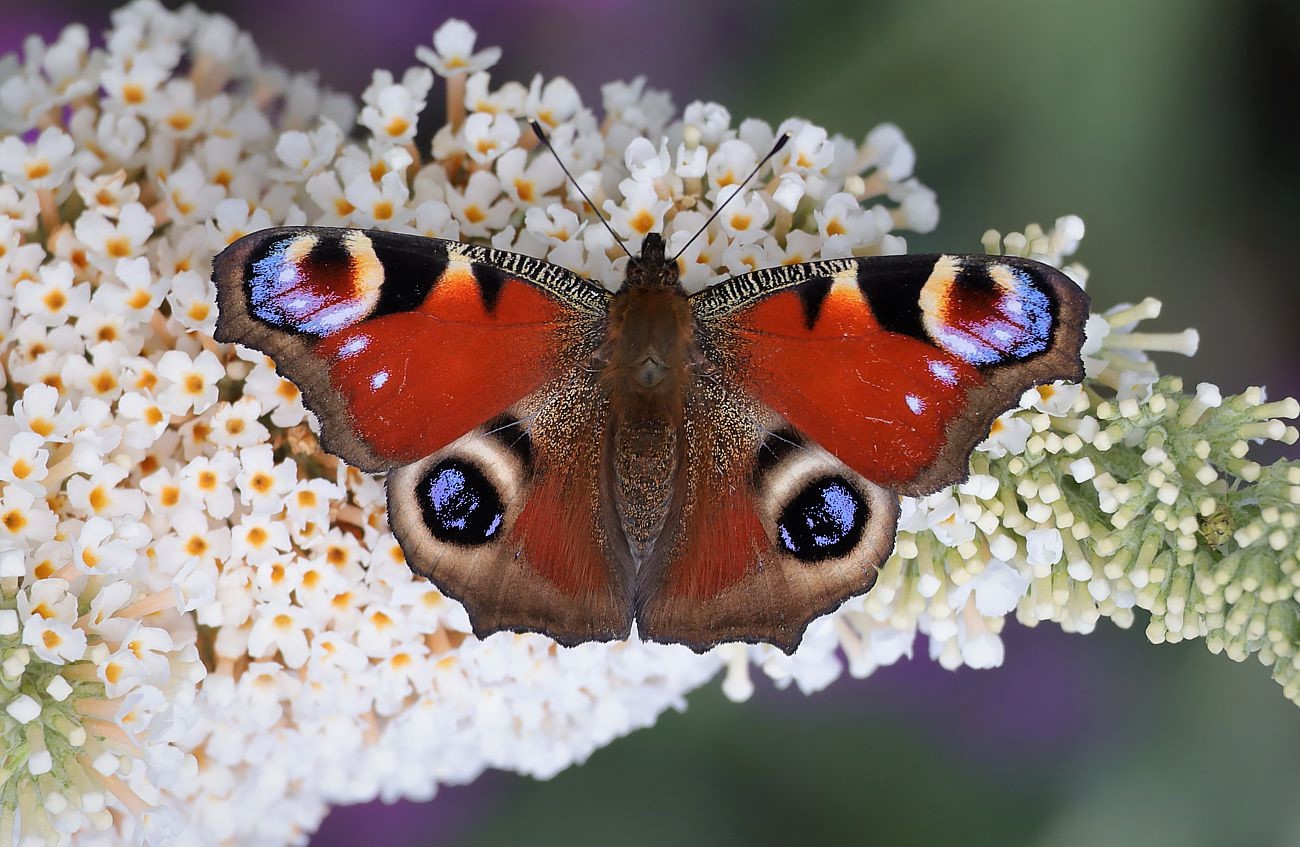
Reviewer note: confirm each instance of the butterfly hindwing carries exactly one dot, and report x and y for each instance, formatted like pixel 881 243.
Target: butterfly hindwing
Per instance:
pixel 897 365
pixel 773 532
pixel 401 344
pixel 506 520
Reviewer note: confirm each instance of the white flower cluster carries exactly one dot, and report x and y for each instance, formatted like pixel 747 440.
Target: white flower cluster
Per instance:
pixel 207 632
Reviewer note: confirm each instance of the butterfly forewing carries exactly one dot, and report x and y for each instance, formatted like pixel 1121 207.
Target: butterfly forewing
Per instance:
pixel 897 364
pixel 400 344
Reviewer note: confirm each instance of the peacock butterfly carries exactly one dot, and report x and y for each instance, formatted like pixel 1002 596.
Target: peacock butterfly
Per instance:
pixel 723 466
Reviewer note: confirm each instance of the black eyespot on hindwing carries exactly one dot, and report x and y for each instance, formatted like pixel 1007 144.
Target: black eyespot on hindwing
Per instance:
pixel 460 505
pixel 824 520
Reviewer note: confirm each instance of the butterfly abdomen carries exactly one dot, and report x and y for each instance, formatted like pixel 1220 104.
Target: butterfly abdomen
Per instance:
pixel 647 356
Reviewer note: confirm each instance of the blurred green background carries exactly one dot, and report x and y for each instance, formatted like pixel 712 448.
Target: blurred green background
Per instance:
pixel 1170 126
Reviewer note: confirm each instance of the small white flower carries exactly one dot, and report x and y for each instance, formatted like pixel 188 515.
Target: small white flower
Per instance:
pixel 97 376
pixel 488 136
pixel 1044 548
pixel 232 220
pixel 305 154
pixel 997 589
pixel 48 599
pixel 23 462
pixel 433 220
pixel 107 241
pixel 258 538
pixel 117 138
pixel 276 395
pixel 191 383
pixel 453 50
pixel 917 208
pixel 526 182
pixel 842 223
pixel 392 109
pixel 691 164
pixel 731 163
pixel 106 193
pixel 641 212
pixel 98 494
pixel 801 247
pixel 133 85
pixel 45 164
pixel 189 194
pixel 555 224
pixel 193 301
pixel 177 110
pixel 326 192
pixel 54 641
pixel 1008 436
pixel 808 150
pixel 308 502
pixel 38 411
pixel 642 110
pixel 745 217
pixel 55 297
pixel 710 121
pixel 980 646
pixel 645 162
pixel 481 208
pixel 236 424
pixel 280 627
pixel 147 420
pixel 207 480
pixel 100 547
pixel 508 99
pixel 25 521
pixel 553 103
pixel 379 205
pixel 886 150
pixel 1055 399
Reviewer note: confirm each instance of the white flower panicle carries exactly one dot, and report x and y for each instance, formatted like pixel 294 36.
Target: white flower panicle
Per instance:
pixel 207 632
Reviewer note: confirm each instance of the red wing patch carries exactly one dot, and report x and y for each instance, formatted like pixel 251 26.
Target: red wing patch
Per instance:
pixel 878 401
pixel 722 544
pixel 556 531
pixel 415 381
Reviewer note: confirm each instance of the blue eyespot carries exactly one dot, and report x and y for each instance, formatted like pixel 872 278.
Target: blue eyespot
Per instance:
pixel 824 521
pixel 460 505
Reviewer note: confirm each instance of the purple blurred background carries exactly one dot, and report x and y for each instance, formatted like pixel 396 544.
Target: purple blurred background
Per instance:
pixel 1169 126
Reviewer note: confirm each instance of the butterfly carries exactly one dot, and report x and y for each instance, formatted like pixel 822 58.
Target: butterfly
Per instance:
pixel 715 467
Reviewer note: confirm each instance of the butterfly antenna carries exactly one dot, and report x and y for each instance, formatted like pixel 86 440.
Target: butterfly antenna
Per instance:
pixel 541 133
pixel 776 148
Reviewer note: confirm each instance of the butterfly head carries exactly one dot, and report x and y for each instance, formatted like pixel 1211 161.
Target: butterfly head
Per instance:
pixel 652 269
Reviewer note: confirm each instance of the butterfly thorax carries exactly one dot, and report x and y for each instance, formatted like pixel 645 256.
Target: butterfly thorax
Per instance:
pixel 650 341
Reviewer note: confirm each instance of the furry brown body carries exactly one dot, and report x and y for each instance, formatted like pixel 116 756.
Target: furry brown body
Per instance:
pixel 646 371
